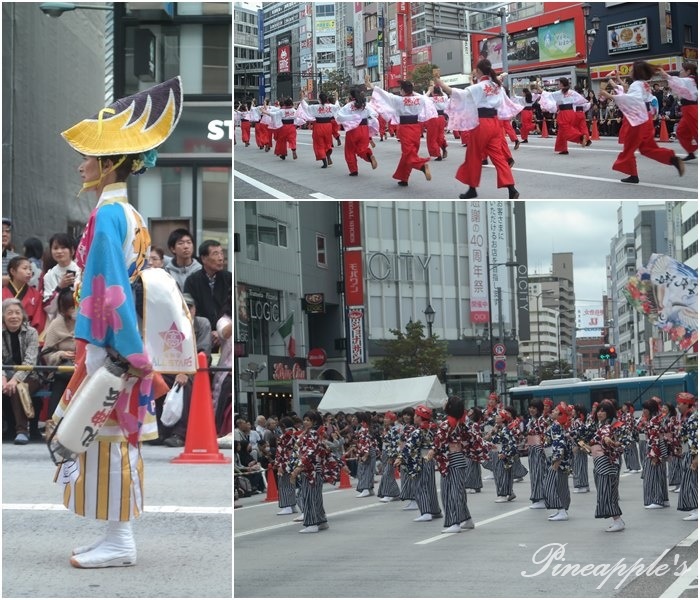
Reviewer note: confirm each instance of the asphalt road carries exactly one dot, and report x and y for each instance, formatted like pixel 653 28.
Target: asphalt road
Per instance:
pixel 374 549
pixel 183 538
pixel 539 173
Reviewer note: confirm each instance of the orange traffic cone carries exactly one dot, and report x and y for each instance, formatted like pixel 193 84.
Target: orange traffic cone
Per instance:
pixel 271 486
pixel 344 480
pixel 663 132
pixel 200 442
pixel 595 135
pixel 545 133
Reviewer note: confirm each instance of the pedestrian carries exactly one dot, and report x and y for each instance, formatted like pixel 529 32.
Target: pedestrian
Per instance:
pixel 605 448
pixel 686 87
pixel 284 466
pixel 284 125
pixel 411 110
pixel 453 442
pixel 655 486
pixel 388 488
pixel 640 133
pixel 558 453
pixel 34 251
pixel 366 457
pixel 355 117
pixel 534 432
pixel 631 453
pixel 506 448
pixel 112 253
pixel 478 109
pixel 563 102
pixel 19 270
pixel 7 248
pixel 421 465
pixel 688 495
pixel 320 115
pixel 435 127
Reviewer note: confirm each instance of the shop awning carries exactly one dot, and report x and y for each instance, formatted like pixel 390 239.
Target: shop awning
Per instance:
pixel 380 396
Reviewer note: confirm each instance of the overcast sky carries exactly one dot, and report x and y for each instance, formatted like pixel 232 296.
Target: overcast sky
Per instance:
pixel 584 227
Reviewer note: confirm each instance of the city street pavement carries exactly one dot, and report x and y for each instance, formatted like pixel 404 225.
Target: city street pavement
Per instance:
pixel 183 538
pixel 374 549
pixel 539 173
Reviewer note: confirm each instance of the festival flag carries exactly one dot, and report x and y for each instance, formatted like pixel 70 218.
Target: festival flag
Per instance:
pixel 287 331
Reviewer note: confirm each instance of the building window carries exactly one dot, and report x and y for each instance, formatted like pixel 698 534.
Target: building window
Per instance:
pixel 688 34
pixel 325 57
pixel 251 231
pixel 325 40
pixel 325 10
pixel 690 251
pixel 321 256
pixel 282 235
pixel 449 56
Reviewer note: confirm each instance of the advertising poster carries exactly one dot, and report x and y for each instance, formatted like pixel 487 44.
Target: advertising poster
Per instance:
pixel 631 36
pixel 523 48
pixel 478 290
pixel 359 38
pixel 284 59
pixel 557 41
pixel 492 48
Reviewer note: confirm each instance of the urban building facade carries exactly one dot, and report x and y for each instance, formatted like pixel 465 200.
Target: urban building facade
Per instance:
pixel 249 80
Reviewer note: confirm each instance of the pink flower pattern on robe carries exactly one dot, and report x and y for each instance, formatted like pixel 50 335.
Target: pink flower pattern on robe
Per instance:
pixel 101 307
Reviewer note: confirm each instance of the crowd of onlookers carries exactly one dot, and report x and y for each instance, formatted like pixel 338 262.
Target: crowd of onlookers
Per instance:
pixel 39 312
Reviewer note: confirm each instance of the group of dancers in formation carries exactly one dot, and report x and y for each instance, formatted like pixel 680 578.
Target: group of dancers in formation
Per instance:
pixel 559 440
pixel 481 116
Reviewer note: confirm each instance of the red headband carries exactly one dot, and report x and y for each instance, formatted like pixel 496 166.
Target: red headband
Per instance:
pixel 685 398
pixel 505 415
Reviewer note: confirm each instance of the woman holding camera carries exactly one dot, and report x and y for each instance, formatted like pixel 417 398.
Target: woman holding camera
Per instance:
pixel 60 272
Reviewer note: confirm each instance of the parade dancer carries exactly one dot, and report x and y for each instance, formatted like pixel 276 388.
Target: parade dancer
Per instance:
pixel 517 428
pixel 407 482
pixel 312 460
pixel 284 125
pixel 534 432
pixel 558 452
pixel 563 103
pixel 670 429
pixel 477 109
pixel 506 450
pixel 526 123
pixel 284 466
pixel 453 442
pixel 435 127
pixel 412 110
pixel 655 487
pixel 335 127
pixel 580 125
pixel 322 133
pixel 420 465
pixel 263 136
pixel 366 456
pixel 488 422
pixel 388 488
pixel 106 481
pixel 605 448
pixel 578 432
pixel 355 118
pixel 245 123
pixel 686 87
pixel 688 495
pixel 635 105
pixel 474 482
pixel 632 435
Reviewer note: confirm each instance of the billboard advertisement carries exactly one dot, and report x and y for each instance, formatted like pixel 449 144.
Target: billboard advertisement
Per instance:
pixel 557 42
pixel 284 59
pixel 359 38
pixel 476 242
pixel 492 49
pixel 523 48
pixel 590 321
pixel 630 36
pixel 354 290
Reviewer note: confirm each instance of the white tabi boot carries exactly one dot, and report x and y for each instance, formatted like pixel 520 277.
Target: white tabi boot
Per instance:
pixel 117 550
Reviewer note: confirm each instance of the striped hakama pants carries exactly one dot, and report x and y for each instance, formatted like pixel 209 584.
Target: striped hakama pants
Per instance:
pixel 688 496
pixel 408 485
pixel 519 470
pixel 503 478
pixel 473 480
pixel 426 490
pixel 314 513
pixel 106 482
pixel 579 466
pixel 491 461
pixel 285 491
pixel 674 470
pixel 655 486
pixel 365 472
pixel 538 465
pixel 387 484
pixel 301 492
pixel 642 455
pixel 632 457
pixel 556 489
pixel 454 500
pixel 606 476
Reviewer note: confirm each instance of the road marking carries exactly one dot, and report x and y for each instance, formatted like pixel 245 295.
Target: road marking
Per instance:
pixel 682 583
pixel 690 540
pixel 262 187
pixel 320 196
pixel 188 510
pixel 443 536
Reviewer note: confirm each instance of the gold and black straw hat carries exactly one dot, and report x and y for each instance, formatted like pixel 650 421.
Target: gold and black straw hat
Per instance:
pixel 131 125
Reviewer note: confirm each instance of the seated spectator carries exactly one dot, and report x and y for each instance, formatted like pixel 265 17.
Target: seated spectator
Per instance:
pixel 183 264
pixel 19 270
pixel 7 248
pixel 156 259
pixel 60 272
pixel 249 467
pixel 350 458
pixel 221 388
pixel 59 345
pixel 34 251
pixel 20 346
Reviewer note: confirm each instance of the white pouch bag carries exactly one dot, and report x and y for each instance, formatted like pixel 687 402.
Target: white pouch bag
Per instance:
pixel 172 406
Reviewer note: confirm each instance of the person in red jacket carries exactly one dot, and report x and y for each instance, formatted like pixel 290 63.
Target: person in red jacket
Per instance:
pixel 19 270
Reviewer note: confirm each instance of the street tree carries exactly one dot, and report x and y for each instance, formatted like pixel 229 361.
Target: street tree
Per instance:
pixel 556 370
pixel 422 77
pixel 412 354
pixel 337 83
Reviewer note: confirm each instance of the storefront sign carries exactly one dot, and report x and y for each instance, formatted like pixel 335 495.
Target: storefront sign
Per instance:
pixel 630 36
pixel 354 290
pixel 477 240
pixel 351 224
pixel 286 369
pixel 316 357
pixel 387 266
pixel 264 305
pixel 557 42
pixel 315 304
pixel 284 59
pixel 356 326
pixel 671 64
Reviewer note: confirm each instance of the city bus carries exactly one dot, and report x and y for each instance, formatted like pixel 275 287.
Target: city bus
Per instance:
pixel 585 393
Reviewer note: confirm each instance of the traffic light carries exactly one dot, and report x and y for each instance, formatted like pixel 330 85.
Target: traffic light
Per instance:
pixel 607 353
pixel 612 352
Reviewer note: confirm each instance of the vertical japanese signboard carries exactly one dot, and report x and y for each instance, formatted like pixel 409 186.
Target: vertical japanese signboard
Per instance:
pixel 478 291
